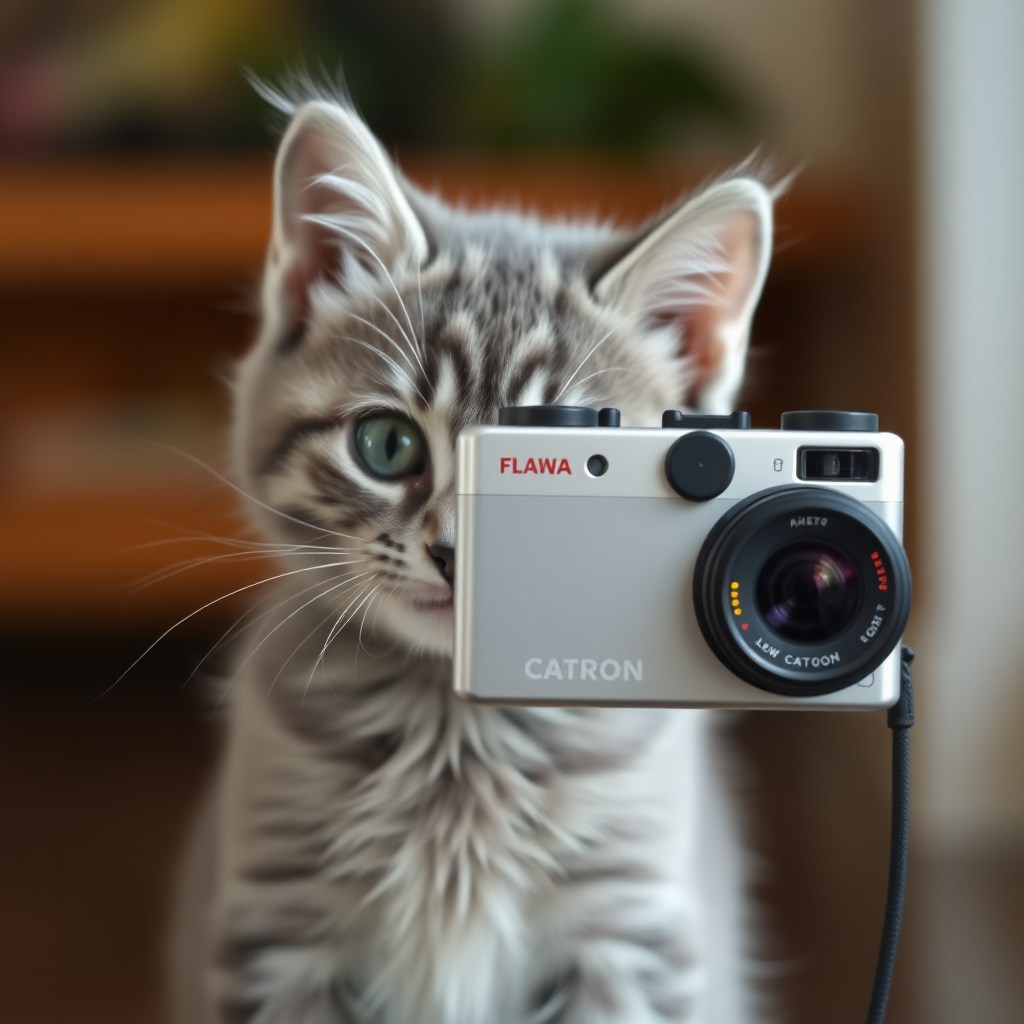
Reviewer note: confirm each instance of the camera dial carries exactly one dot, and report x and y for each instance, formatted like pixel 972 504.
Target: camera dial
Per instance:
pixel 801 590
pixel 829 419
pixel 557 416
pixel 547 416
pixel 700 465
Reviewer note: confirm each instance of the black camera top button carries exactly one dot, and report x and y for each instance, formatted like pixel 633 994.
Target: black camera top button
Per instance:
pixel 673 418
pixel 824 419
pixel 700 466
pixel 609 418
pixel 547 416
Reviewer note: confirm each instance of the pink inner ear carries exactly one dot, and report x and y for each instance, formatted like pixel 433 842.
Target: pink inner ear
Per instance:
pixel 700 344
pixel 311 252
pixel 316 256
pixel 702 328
pixel 338 207
pixel 697 328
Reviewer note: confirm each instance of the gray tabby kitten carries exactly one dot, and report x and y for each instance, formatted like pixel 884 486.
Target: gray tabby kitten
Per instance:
pixel 376 850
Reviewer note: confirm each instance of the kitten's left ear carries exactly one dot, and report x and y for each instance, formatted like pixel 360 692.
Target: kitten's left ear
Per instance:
pixel 339 210
pixel 699 274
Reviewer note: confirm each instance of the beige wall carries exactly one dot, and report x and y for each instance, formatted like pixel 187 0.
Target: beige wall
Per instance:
pixel 801 61
pixel 972 260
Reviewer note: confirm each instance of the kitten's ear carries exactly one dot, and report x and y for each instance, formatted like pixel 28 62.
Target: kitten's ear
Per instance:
pixel 699 273
pixel 339 211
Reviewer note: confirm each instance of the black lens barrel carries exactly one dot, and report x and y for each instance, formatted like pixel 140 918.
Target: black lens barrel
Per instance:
pixel 802 590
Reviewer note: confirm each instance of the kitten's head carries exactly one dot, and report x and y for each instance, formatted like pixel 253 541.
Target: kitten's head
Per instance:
pixel 390 322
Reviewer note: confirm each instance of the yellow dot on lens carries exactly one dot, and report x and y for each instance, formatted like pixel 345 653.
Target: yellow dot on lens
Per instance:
pixel 735 586
pixel 737 611
pixel 735 603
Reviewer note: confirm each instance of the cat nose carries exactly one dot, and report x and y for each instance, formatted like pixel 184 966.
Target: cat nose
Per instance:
pixel 444 559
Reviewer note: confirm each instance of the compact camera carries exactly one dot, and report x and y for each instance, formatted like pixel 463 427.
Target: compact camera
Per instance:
pixel 703 564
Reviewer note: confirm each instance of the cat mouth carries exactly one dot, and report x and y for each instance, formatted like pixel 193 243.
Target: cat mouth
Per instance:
pixel 439 604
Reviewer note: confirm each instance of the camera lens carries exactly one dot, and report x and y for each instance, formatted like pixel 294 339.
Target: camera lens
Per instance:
pixel 801 590
pixel 808 592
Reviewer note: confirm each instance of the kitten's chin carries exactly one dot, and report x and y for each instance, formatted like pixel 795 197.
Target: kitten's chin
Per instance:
pixel 426 625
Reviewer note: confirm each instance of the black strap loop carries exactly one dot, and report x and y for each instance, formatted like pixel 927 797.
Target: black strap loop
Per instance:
pixel 901 718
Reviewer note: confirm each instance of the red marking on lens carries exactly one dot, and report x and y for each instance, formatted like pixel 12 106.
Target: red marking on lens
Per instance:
pixel 874 554
pixel 743 625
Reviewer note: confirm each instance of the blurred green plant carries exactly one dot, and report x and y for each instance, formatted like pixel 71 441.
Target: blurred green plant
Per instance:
pixel 575 75
pixel 569 73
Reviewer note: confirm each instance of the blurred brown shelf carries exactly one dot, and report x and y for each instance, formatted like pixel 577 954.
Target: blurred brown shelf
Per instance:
pixel 173 224
pixel 90 557
pixel 126 224
pixel 111 274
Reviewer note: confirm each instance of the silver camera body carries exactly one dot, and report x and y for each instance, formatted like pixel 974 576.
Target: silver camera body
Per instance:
pixel 700 565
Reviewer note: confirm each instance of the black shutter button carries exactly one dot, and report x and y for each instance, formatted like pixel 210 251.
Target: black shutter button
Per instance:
pixel 700 466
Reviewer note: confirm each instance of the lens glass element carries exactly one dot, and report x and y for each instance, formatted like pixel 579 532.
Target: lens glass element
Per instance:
pixel 808 591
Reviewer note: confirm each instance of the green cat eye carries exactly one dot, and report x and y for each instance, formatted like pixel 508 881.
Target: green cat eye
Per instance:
pixel 389 446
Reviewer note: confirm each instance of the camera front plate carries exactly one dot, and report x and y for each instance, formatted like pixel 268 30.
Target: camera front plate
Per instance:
pixel 576 589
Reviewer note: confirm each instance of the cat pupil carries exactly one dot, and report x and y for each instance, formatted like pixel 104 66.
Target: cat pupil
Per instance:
pixel 391 444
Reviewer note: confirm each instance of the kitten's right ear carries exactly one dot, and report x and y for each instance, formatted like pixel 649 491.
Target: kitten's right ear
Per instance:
pixel 339 212
pixel 695 279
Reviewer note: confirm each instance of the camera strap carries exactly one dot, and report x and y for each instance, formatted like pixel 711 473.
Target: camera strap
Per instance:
pixel 900 718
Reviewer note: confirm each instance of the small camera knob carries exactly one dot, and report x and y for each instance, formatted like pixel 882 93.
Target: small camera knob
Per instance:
pixel 547 416
pixel 830 419
pixel 700 466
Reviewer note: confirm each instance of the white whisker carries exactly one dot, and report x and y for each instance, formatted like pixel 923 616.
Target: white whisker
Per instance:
pixel 291 597
pixel 167 572
pixel 296 649
pixel 333 224
pixel 389 360
pixel 401 302
pixel 249 497
pixel 600 342
pixel 338 626
pixel 374 402
pixel 607 369
pixel 362 624
pixel 419 295
pixel 412 344
pixel 391 341
pixel 210 604
pixel 349 580
pixel 230 633
pixel 197 536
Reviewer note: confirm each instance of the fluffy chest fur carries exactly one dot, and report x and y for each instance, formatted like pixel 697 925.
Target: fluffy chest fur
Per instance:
pixel 452 860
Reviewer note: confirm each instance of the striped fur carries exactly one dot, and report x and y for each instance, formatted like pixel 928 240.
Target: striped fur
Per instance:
pixel 377 851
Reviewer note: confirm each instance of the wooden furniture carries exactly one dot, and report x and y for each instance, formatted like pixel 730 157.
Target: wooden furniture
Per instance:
pixel 126 290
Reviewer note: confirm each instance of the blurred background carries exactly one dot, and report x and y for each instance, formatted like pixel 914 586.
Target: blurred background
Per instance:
pixel 134 209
